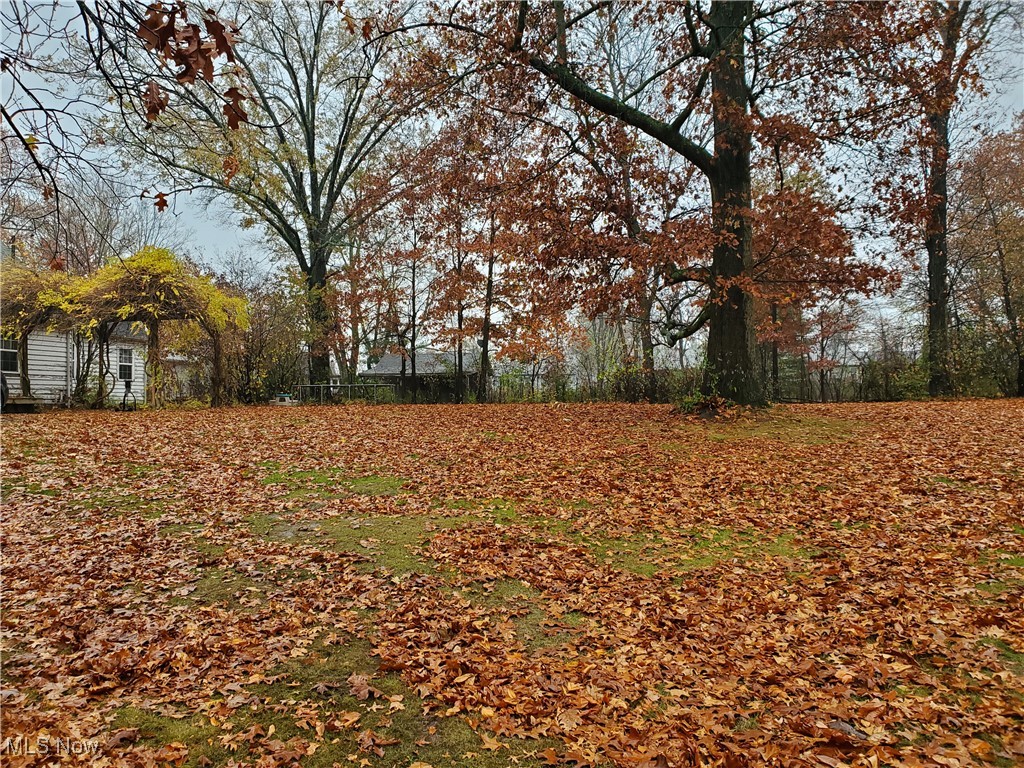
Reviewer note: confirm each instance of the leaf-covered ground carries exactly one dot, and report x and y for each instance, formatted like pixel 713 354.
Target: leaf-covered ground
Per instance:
pixel 517 585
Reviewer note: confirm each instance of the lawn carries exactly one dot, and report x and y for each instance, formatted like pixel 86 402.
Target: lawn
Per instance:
pixel 606 585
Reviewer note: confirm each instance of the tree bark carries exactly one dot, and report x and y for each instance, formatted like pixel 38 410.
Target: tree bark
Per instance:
pixel 938 108
pixel 731 371
pixel 940 381
pixel 485 331
pixel 23 378
pixel 776 391
pixel 1009 309
pixel 154 367
pixel 647 355
pixel 460 369
pixel 353 322
pixel 102 364
pixel 319 320
pixel 217 371
pixel 412 332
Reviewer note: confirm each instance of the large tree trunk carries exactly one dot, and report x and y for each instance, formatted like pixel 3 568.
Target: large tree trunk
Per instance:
pixel 940 381
pixel 939 106
pixel 732 370
pixel 319 320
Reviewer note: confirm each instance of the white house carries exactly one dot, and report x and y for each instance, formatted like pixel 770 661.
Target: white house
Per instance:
pixel 53 361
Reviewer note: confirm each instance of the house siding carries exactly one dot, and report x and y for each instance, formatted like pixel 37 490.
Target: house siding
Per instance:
pixel 51 358
pixel 47 367
pixel 138 370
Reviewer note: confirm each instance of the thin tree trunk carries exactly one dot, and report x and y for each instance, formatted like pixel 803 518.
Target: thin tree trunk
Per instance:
pixel 353 329
pixel 460 380
pixel 460 315
pixel 154 366
pixel 102 364
pixel 485 332
pixel 776 391
pixel 647 355
pixel 1009 308
pixel 217 372
pixel 23 378
pixel 412 329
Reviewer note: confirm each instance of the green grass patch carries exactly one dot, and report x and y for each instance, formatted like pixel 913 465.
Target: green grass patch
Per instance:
pixel 136 470
pixel 997 587
pixel 625 554
pixel 538 629
pixel 36 489
pixel 156 730
pixel 191 533
pixel 392 711
pixel 535 627
pixel 646 554
pixel 1001 557
pixel 950 482
pixel 179 529
pixel 490 434
pixel 223 587
pixel 911 691
pixel 392 542
pixel 746 724
pixel 120 504
pixel 374 485
pixel 1006 652
pixel 330 483
pixel 502 511
pixel 504 591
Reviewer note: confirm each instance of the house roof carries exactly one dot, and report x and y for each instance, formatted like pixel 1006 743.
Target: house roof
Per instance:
pixel 429 362
pixel 129 331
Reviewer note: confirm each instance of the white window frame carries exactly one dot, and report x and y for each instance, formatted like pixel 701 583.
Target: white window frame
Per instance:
pixel 10 345
pixel 123 352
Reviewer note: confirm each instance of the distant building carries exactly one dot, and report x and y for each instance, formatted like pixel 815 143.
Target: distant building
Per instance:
pixel 435 374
